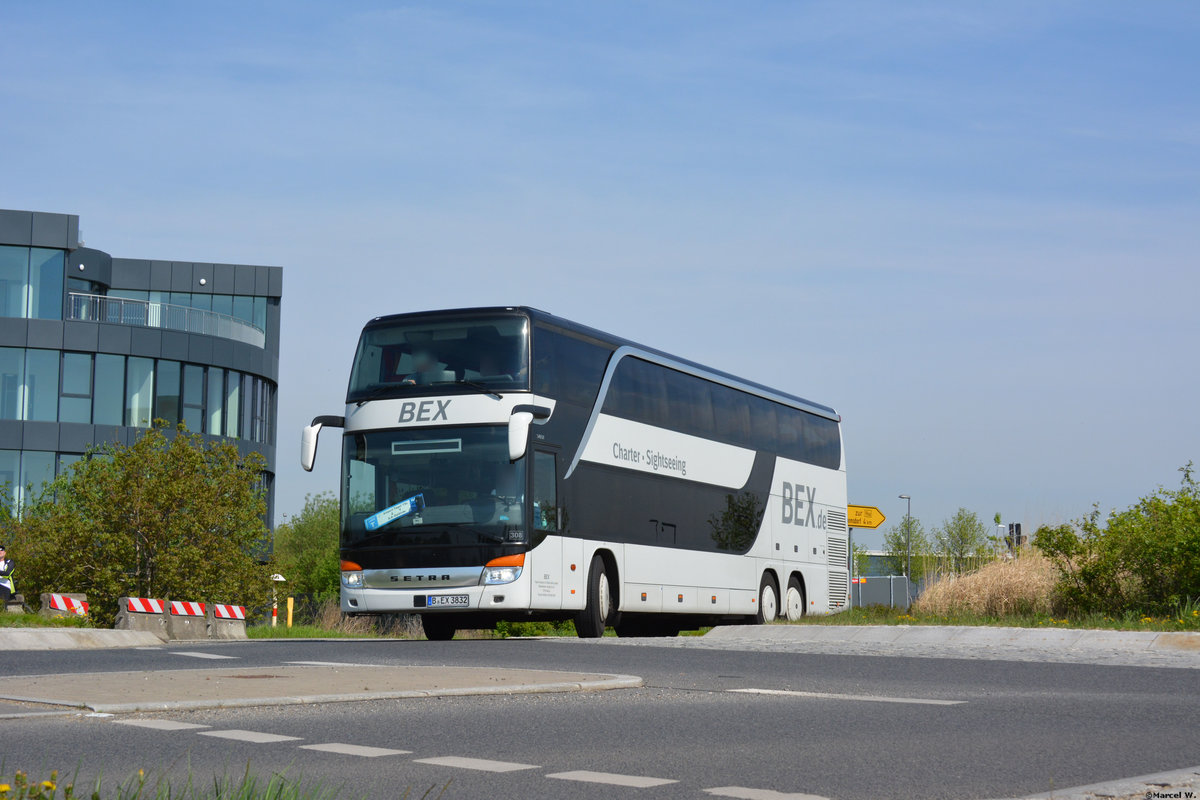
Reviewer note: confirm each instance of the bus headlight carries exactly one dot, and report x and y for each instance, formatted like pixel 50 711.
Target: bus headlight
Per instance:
pixel 505 569
pixel 493 575
pixel 352 580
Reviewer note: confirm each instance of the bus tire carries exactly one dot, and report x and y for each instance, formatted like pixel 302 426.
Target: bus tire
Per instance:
pixel 591 622
pixel 438 627
pixel 794 600
pixel 768 600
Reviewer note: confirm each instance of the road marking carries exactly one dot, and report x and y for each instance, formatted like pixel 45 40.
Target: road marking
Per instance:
pixel 354 750
pixel 611 778
pixel 869 698
pixel 743 793
pixel 250 736
pixel 481 764
pixel 202 655
pixel 327 664
pixel 160 724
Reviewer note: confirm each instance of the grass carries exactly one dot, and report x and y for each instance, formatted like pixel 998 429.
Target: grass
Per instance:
pixel 281 631
pixel 1186 619
pixel 25 620
pixel 141 787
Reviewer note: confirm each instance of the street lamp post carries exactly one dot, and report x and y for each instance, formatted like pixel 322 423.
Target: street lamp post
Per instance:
pixel 907 538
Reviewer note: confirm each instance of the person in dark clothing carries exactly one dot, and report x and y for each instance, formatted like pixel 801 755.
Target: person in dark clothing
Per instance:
pixel 7 587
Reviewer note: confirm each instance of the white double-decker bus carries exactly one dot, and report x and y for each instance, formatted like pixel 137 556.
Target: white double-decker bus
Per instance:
pixel 506 464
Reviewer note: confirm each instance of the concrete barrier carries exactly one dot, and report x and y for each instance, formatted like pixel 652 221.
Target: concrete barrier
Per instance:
pixel 15 604
pixel 142 614
pixel 62 605
pixel 186 620
pixel 226 622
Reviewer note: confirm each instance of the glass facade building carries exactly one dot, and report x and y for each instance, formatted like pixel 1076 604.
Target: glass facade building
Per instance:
pixel 94 348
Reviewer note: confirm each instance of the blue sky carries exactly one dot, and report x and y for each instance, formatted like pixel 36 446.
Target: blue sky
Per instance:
pixel 971 228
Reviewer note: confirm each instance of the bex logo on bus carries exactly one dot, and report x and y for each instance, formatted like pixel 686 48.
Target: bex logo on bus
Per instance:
pixel 424 411
pixel 799 506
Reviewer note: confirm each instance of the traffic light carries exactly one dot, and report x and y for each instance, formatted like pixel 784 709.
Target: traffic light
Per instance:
pixel 1015 539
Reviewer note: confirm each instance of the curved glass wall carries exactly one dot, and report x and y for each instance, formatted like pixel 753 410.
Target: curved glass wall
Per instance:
pixel 106 389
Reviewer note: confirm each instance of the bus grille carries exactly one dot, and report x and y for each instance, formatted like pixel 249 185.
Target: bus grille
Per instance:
pixel 837 551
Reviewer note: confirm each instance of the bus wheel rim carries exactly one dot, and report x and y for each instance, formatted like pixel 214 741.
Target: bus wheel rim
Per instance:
pixel 795 603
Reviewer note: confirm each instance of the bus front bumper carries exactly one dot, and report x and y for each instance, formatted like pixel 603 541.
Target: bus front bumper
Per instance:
pixel 478 598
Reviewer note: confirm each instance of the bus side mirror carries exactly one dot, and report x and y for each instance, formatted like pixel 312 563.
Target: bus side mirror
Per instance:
pixel 308 439
pixel 518 428
pixel 518 434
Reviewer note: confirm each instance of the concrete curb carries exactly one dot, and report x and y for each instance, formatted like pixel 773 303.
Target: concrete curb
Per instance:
pixel 1164 784
pixel 615 682
pixel 1070 639
pixel 73 639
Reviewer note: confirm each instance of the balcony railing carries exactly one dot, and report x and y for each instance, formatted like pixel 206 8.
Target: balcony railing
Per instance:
pixel 122 311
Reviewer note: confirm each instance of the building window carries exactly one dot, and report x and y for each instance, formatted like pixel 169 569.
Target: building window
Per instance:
pixel 31 282
pixel 166 405
pixel 216 395
pixel 75 395
pixel 139 388
pixel 193 398
pixel 109 390
pixel 233 396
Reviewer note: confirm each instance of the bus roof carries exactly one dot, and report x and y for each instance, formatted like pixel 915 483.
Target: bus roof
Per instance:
pixel 537 315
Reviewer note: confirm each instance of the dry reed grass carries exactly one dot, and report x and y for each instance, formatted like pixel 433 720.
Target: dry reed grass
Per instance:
pixel 403 626
pixel 1023 585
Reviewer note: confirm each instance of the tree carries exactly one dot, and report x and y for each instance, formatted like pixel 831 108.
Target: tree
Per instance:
pixel 895 549
pixel 961 538
pixel 306 548
pixel 862 561
pixel 1144 559
pixel 168 517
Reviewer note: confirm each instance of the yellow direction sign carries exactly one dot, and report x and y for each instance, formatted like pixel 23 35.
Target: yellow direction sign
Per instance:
pixel 864 517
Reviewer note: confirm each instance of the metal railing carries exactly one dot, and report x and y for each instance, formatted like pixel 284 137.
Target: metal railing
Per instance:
pixel 122 311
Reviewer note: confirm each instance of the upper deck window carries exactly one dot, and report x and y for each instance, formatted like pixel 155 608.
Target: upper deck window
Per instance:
pixel 396 357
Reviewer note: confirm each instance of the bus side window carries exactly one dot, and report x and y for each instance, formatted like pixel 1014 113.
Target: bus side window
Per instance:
pixel 545 492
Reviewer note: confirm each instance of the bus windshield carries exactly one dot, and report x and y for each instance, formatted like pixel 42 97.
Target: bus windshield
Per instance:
pixel 488 353
pixel 403 486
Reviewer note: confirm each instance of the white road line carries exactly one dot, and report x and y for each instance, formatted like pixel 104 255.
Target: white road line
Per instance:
pixel 203 655
pixel 743 793
pixel 326 664
pixel 611 778
pixel 253 737
pixel 160 724
pixel 481 764
pixel 869 698
pixel 354 750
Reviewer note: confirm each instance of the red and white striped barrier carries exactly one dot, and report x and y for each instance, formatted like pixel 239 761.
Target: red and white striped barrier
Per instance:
pixel 182 608
pixel 228 612
pixel 60 602
pixel 145 605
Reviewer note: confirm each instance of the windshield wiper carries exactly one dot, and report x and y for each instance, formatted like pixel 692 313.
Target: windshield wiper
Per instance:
pixel 480 387
pixel 374 394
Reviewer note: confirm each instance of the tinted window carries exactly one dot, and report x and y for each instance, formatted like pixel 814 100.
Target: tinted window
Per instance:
pixel 566 368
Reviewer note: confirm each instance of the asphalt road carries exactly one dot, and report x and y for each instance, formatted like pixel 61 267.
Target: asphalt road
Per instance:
pixel 821 725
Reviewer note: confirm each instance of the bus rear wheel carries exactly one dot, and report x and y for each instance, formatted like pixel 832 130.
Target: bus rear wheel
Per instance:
pixel 768 600
pixel 794 602
pixel 591 622
pixel 438 627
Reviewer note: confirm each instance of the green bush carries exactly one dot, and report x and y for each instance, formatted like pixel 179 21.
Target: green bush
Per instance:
pixel 306 549
pixel 1144 559
pixel 169 517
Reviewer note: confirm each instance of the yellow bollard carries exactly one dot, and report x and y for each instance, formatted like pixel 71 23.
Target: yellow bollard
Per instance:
pixel 290 601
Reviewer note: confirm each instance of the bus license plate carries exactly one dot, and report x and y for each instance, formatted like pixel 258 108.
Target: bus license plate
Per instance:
pixel 448 601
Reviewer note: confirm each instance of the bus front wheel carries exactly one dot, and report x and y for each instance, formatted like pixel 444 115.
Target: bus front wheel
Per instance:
pixel 768 600
pixel 591 622
pixel 438 627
